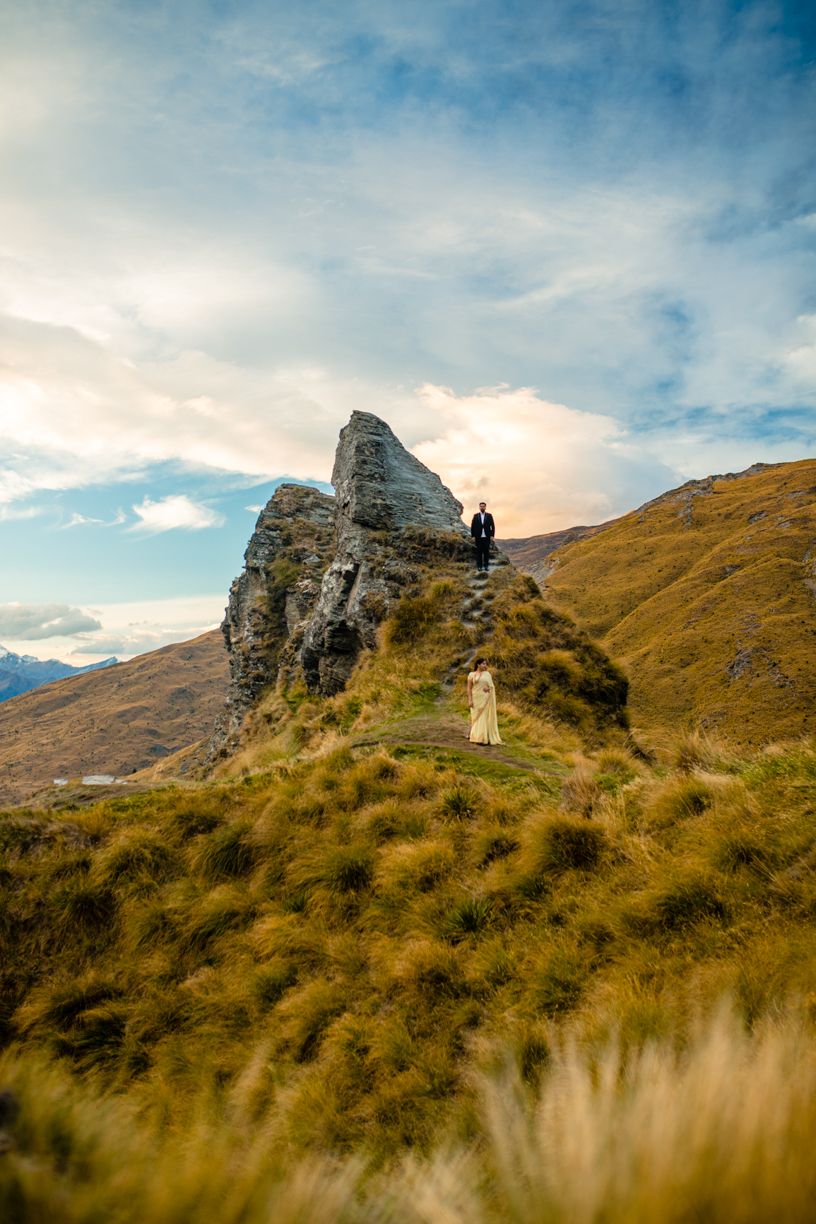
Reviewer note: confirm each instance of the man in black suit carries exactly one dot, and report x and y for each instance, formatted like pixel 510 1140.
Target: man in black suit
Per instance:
pixel 483 529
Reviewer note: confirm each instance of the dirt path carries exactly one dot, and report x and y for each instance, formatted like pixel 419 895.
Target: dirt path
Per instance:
pixel 450 732
pixel 444 729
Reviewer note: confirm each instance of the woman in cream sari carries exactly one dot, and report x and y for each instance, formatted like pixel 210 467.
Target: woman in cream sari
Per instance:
pixel 484 729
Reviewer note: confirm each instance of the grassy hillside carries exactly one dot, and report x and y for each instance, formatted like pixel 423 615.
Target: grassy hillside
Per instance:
pixel 114 721
pixel 367 939
pixel 708 598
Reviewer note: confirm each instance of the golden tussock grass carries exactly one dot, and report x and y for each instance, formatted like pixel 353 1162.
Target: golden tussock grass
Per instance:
pixel 719 1128
pixel 295 989
pixel 705 598
pixel 151 941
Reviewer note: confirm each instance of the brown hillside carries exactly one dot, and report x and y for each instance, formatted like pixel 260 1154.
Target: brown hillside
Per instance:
pixel 532 554
pixel 113 721
pixel 708 596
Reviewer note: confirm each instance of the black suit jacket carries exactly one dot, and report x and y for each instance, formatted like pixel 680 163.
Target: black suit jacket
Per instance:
pixel 476 526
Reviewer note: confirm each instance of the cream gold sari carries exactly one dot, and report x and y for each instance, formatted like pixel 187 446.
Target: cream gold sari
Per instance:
pixel 484 728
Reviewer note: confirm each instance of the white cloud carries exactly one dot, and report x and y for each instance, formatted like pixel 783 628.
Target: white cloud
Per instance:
pixel 129 629
pixel 225 281
pixel 801 359
pixel 540 466
pixel 10 514
pixel 13 486
pixel 175 512
pixel 36 622
pixel 76 413
pixel 84 520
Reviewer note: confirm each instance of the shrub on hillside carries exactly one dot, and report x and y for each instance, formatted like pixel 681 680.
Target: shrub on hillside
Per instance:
pixel 699 750
pixel 199 816
pixel 460 801
pixel 616 768
pixel 393 818
pixel 429 967
pixel 333 871
pixel 83 1020
pixel 559 985
pixel 348 869
pixel 286 937
pixel 305 1014
pixel 494 843
pixel 272 980
pixel 60 1003
pixel 581 791
pixel 741 848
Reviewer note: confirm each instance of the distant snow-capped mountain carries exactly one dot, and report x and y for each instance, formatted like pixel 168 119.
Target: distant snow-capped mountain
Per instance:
pixel 20 673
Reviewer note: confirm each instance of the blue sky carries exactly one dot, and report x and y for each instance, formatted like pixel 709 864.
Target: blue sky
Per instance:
pixel 565 249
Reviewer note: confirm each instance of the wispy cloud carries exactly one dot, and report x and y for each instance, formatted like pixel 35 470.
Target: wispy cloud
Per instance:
pixel 14 513
pixel 175 513
pixel 86 520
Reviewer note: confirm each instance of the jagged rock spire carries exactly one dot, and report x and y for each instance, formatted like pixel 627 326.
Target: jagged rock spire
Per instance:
pixel 322 572
pixel 385 499
pixel 381 486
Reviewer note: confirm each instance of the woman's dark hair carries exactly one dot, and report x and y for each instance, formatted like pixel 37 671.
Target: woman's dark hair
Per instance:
pixel 478 661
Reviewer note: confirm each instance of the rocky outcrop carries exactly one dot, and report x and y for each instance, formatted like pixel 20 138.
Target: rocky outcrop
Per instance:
pixel 392 515
pixel 269 603
pixel 322 572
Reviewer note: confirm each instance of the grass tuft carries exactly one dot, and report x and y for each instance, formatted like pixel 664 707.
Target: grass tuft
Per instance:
pixel 687 902
pixel 565 845
pixel 226 853
pixel 681 798
pixel 460 802
pixel 471 916
pixel 136 858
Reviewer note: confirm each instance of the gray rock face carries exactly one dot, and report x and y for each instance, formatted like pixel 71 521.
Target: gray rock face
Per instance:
pixel 291 546
pixel 321 573
pixel 380 486
pixel 392 513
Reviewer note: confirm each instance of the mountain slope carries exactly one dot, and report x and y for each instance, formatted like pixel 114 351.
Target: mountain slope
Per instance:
pixel 707 595
pixel 347 941
pixel 329 946
pixel 21 673
pixel 112 721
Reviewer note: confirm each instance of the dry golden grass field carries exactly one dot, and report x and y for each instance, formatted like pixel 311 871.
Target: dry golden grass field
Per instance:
pixel 369 972
pixel 707 596
pixel 114 721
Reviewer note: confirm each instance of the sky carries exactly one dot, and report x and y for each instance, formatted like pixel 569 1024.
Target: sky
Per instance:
pixel 564 247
